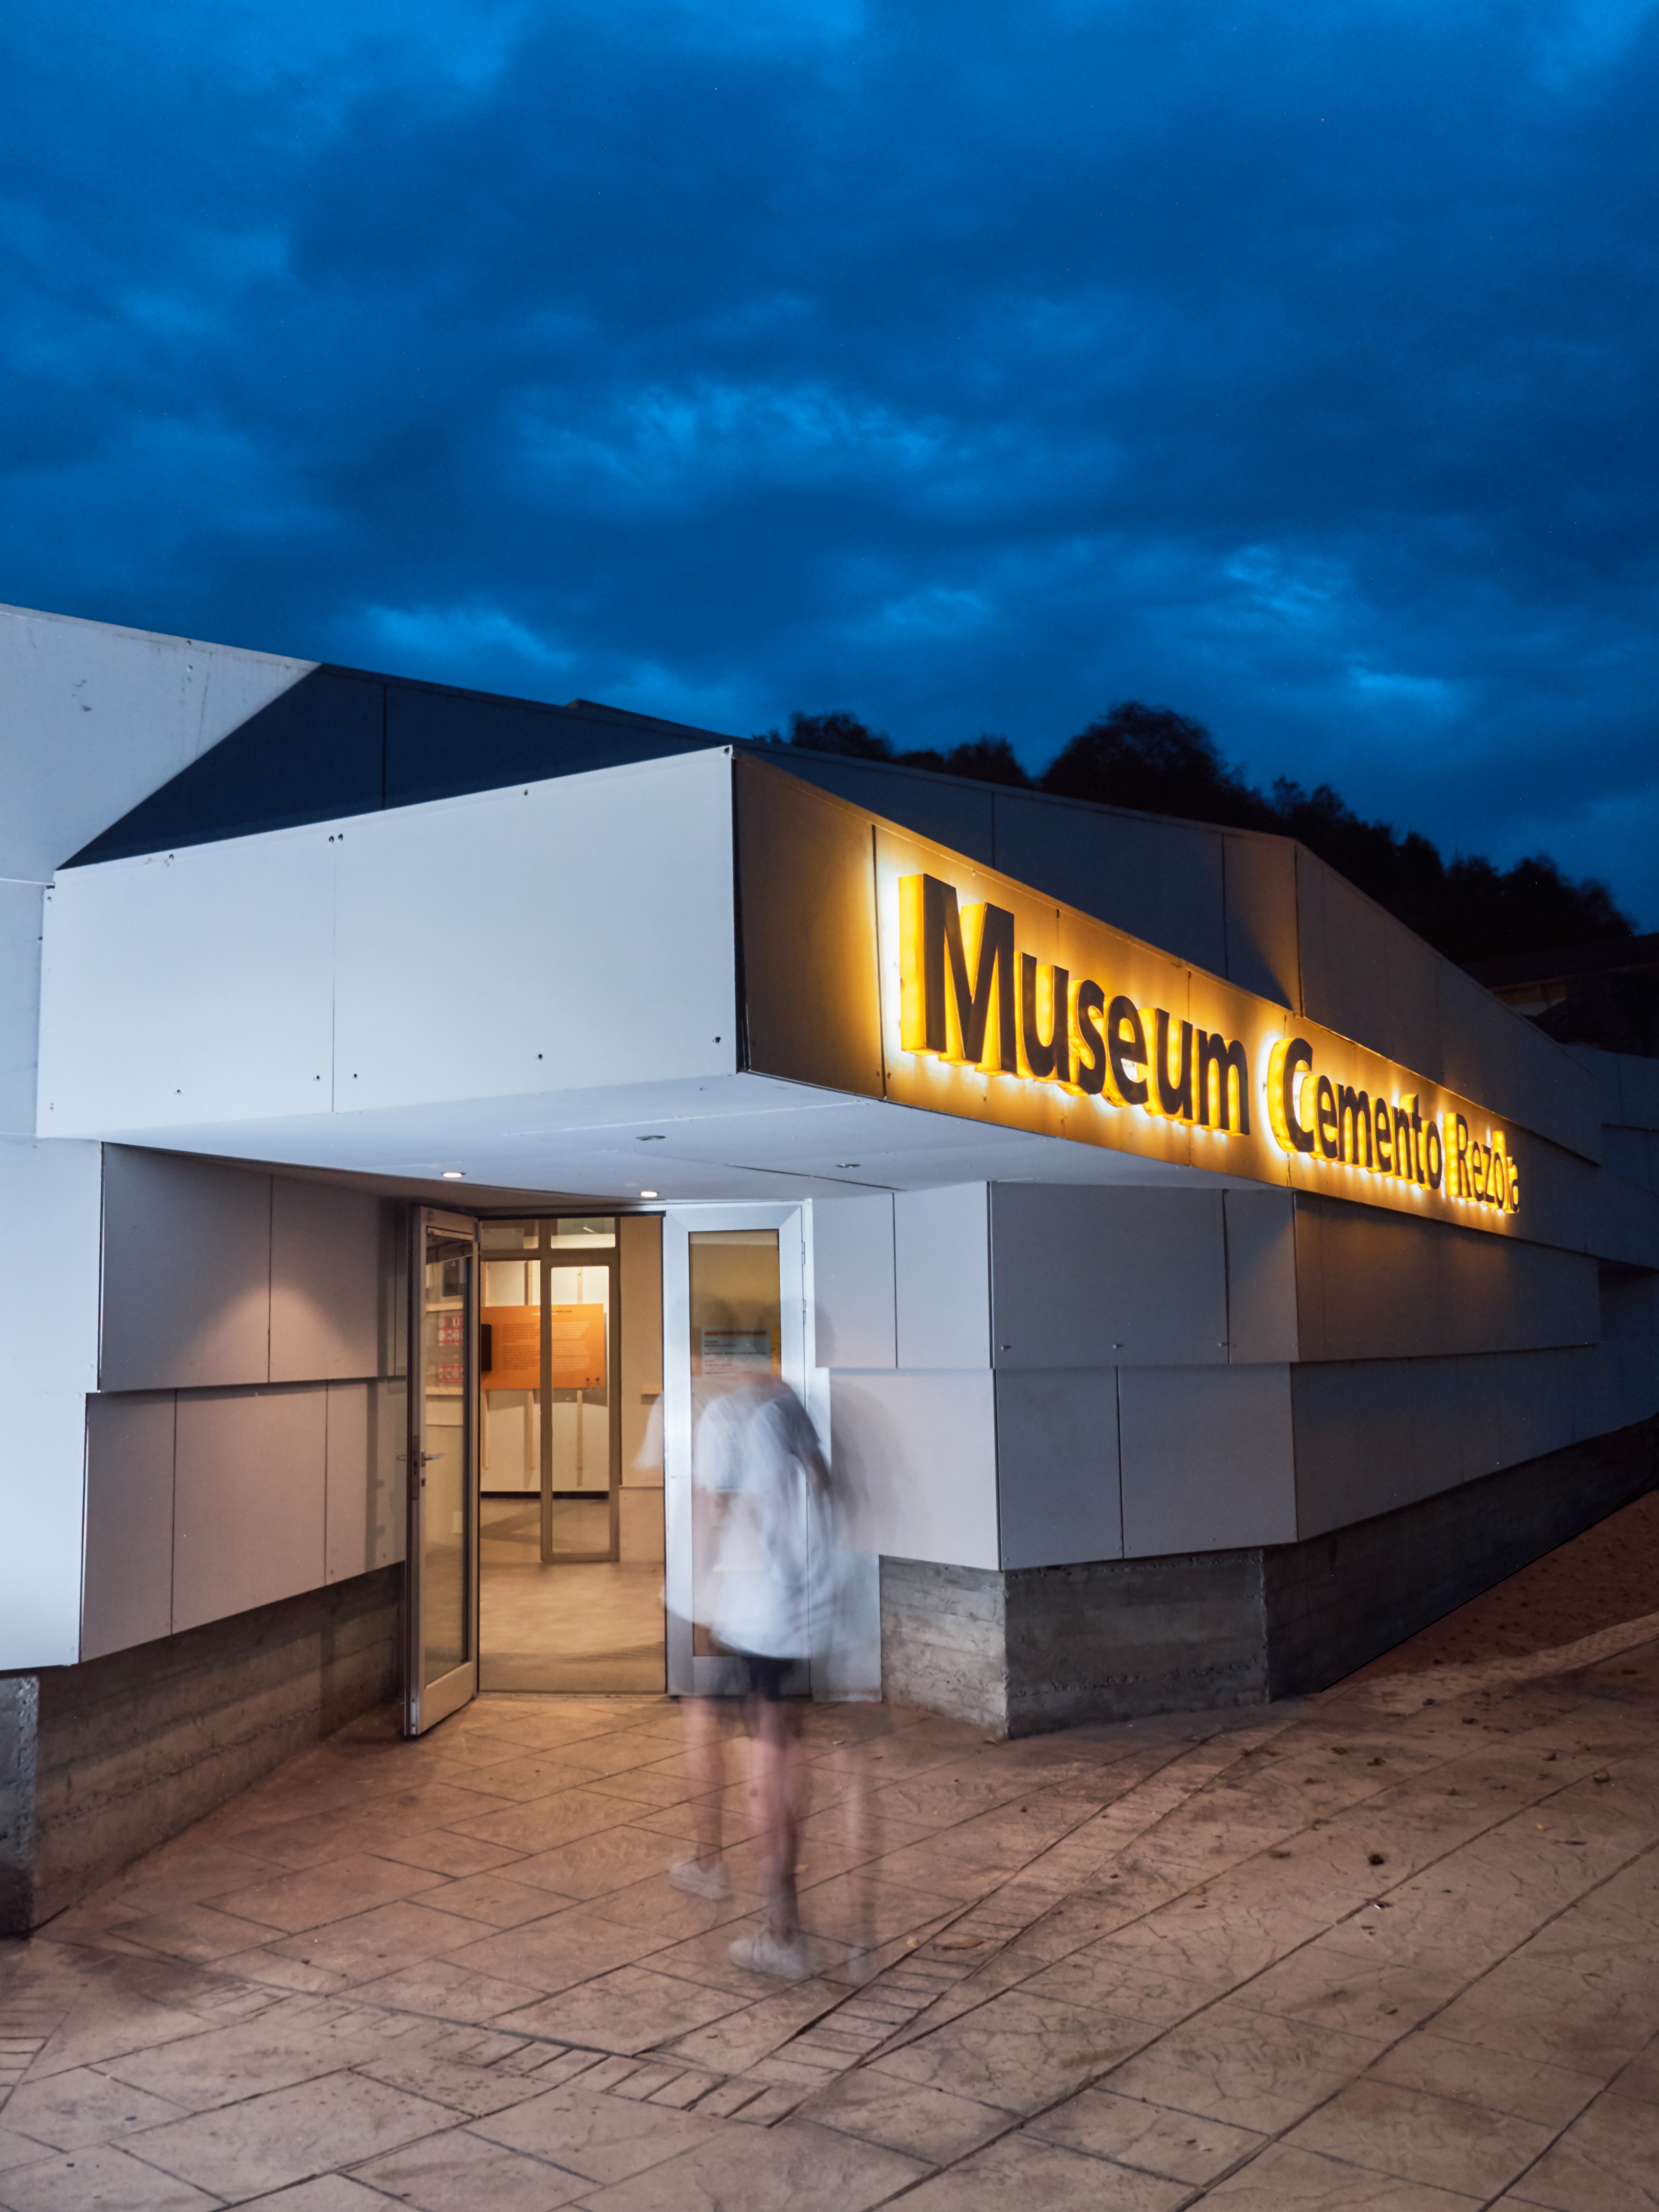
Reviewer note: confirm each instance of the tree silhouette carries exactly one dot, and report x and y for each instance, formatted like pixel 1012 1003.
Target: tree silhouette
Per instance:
pixel 1156 761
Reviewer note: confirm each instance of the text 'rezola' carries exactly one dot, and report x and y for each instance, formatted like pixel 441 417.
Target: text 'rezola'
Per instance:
pixel 971 997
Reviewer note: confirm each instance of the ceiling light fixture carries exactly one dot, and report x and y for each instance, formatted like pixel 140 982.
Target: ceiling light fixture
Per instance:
pixel 647 1194
pixel 454 1175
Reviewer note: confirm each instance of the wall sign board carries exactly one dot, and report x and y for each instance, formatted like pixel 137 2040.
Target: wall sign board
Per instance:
pixel 969 994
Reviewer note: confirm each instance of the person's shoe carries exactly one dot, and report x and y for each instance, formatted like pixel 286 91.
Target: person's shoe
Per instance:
pixel 696 1880
pixel 768 1955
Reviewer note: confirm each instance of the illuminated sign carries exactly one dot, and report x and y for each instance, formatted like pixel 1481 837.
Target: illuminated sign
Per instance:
pixel 1068 1028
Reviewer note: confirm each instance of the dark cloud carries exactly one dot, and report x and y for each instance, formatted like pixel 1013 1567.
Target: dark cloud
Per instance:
pixel 968 366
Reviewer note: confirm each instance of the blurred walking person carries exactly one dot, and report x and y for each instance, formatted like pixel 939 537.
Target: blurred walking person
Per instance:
pixel 757 1456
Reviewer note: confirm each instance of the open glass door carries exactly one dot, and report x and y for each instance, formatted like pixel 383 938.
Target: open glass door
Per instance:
pixel 441 1661
pixel 733 1310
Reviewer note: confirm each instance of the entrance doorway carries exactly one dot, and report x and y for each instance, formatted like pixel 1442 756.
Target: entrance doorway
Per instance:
pixel 735 1309
pixel 571 1497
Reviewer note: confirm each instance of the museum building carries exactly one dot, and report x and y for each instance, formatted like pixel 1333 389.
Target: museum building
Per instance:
pixel 418 1103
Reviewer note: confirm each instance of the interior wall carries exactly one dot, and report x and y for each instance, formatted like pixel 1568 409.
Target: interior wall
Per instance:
pixel 244 1445
pixel 639 1367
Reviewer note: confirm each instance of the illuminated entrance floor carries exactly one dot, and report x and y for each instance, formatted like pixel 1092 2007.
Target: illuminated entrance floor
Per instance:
pixel 596 1628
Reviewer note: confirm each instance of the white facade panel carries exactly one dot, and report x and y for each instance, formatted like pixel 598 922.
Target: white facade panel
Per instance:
pixel 942 1259
pixel 566 936
pixel 98 717
pixel 1207 1459
pixel 20 909
pixel 548 937
pixel 249 1500
pixel 128 1597
pixel 1092 1277
pixel 186 1273
pixel 189 988
pixel 1059 1495
pixel 915 1461
pixel 50 1204
pixel 853 1282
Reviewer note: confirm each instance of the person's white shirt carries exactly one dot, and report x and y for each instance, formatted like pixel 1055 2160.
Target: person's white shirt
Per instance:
pixel 757 1454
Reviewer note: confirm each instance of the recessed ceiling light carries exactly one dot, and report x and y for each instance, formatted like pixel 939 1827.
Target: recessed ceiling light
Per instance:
pixel 647 1194
pixel 454 1175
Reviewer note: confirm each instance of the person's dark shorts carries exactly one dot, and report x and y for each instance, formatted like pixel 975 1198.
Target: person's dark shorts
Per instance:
pixel 763 1677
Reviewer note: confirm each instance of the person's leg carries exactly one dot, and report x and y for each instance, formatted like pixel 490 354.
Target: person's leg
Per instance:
pixel 707 1722
pixel 780 1948
pixel 778 1737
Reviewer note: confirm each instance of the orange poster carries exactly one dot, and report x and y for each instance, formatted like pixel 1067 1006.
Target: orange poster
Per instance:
pixel 515 1347
pixel 578 1348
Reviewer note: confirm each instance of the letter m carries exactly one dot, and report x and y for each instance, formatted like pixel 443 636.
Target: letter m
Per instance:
pixel 1353 1114
pixel 1226 1064
pixel 934 942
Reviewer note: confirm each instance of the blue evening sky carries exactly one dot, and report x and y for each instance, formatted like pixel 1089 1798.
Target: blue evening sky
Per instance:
pixel 967 366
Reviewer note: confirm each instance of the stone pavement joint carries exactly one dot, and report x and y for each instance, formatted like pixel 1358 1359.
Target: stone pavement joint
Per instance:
pixel 1390 1945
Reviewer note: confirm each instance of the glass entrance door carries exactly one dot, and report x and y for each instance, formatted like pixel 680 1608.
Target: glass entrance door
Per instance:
pixel 733 1311
pixel 570 1476
pixel 441 1669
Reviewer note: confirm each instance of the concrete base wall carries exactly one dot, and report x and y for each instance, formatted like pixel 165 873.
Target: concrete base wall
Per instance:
pixel 1022 1649
pixel 1333 1602
pixel 99 1763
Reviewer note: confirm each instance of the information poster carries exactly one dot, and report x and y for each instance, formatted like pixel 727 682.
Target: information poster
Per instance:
pixel 578 1346
pixel 737 1351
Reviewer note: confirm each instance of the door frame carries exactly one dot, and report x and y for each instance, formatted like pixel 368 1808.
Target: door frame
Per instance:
pixel 426 1704
pixel 690 1675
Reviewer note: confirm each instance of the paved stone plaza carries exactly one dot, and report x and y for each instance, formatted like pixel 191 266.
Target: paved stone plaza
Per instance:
pixel 1394 1946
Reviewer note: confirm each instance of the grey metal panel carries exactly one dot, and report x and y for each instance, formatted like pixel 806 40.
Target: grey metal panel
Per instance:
pixel 856 1322
pixel 1623 1221
pixel 1262 1318
pixel 127 1596
pixel 1207 1460
pixel 365 1525
pixel 1412 1023
pixel 1372 1286
pixel 1371 1435
pixel 186 1273
pixel 1629 1152
pixel 1092 1276
pixel 1059 1498
pixel 1345 957
pixel 942 1266
pixel 1639 1092
pixel 1496 1057
pixel 953 813
pixel 249 1500
pixel 807 921
pixel 327 1247
pixel 1263 955
pixel 1158 880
